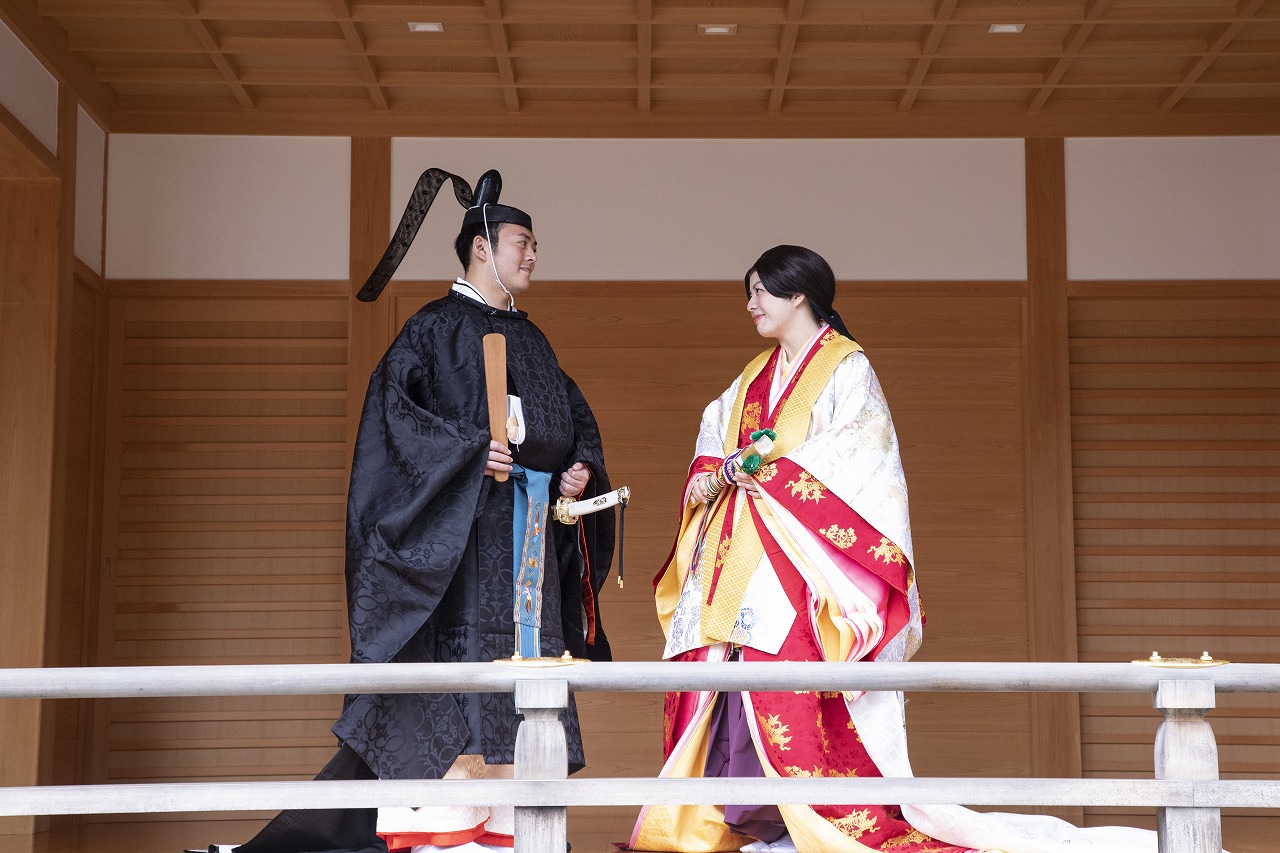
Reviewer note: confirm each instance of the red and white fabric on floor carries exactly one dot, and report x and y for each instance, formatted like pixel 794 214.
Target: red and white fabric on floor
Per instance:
pixel 455 829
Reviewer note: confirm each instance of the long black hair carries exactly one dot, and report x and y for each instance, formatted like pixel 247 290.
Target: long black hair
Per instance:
pixel 787 270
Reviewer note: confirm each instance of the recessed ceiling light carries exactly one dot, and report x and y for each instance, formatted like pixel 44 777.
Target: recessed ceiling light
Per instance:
pixel 426 27
pixel 1005 28
pixel 717 29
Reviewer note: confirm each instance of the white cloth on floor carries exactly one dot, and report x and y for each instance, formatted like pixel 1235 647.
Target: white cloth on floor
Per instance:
pixel 498 819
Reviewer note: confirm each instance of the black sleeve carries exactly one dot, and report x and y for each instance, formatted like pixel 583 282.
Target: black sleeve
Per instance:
pixel 586 549
pixel 415 485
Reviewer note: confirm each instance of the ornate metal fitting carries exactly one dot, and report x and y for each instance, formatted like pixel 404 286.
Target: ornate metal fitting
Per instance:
pixel 560 512
pixel 1204 660
pixel 565 659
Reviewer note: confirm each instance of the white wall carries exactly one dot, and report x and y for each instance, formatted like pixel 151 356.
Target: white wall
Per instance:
pixel 91 165
pixel 228 207
pixel 196 207
pixel 1173 208
pixel 27 90
pixel 705 209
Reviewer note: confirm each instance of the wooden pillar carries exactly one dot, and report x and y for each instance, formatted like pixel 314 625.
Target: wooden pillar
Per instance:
pixel 1051 591
pixel 30 202
pixel 369 325
pixel 54 654
pixel 1186 749
pixel 541 753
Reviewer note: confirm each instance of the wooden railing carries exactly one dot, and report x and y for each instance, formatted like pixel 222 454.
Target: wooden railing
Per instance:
pixel 1186 792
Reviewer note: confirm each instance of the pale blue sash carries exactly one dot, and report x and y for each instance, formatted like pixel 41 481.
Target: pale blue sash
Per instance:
pixel 528 529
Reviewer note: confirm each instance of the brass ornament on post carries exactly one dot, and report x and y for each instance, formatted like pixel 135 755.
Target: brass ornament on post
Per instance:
pixel 1204 660
pixel 565 659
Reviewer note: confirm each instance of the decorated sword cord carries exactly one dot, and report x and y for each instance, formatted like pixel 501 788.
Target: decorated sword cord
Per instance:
pixel 567 511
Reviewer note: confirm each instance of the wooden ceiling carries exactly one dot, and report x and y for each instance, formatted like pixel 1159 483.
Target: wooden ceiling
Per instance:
pixel 641 67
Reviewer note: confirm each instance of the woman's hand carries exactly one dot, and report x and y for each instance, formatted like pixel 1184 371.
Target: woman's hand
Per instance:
pixel 746 481
pixel 499 459
pixel 700 491
pixel 573 481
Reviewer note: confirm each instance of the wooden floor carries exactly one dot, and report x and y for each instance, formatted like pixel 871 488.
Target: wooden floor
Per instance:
pixel 590 831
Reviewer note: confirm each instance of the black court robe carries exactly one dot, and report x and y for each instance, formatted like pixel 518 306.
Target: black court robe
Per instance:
pixel 429 555
pixel 429 537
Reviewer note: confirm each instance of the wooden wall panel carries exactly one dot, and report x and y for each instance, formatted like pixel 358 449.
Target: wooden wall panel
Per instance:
pixel 77 608
pixel 650 356
pixel 29 292
pixel 1175 399
pixel 226 487
pixel 228 469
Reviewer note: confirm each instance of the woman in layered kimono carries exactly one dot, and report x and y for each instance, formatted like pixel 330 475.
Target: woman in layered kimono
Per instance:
pixel 808 558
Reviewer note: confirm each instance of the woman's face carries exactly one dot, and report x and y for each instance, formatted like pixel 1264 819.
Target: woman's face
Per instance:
pixel 772 314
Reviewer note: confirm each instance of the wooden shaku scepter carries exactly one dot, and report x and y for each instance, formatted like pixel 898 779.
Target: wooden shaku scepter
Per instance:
pixel 495 381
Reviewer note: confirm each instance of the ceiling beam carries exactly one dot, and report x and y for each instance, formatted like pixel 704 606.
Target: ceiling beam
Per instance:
pixel 48 42
pixel 21 154
pixel 884 13
pixel 502 52
pixel 91 42
pixel 786 50
pixel 1070 49
pixel 832 81
pixel 678 120
pixel 1244 11
pixel 204 35
pixel 944 11
pixel 342 10
pixel 644 55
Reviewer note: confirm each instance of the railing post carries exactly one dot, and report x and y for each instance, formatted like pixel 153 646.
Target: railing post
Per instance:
pixel 1185 749
pixel 541 753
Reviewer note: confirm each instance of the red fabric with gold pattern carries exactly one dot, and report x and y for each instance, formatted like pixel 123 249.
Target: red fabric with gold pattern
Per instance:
pixel 756 412
pixel 704 465
pixel 755 406
pixel 678 708
pixel 822 512
pixel 811 734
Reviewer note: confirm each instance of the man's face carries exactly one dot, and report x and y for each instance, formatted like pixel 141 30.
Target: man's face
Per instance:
pixel 515 255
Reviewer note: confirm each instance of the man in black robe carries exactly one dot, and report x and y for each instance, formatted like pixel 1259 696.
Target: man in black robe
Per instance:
pixel 429 531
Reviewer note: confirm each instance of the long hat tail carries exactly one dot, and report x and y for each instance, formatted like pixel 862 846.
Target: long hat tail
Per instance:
pixel 424 193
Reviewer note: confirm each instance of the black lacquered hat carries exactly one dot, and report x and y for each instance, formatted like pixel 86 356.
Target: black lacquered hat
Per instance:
pixel 482 206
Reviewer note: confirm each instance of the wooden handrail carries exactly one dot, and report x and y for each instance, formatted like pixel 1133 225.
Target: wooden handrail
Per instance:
pixel 280 679
pixel 618 791
pixel 1187 794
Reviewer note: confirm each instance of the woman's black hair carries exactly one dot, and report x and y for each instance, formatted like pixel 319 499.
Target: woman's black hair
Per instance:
pixel 787 270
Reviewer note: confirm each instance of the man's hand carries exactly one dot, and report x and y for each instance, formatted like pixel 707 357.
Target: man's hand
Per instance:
pixel 573 481
pixel 499 459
